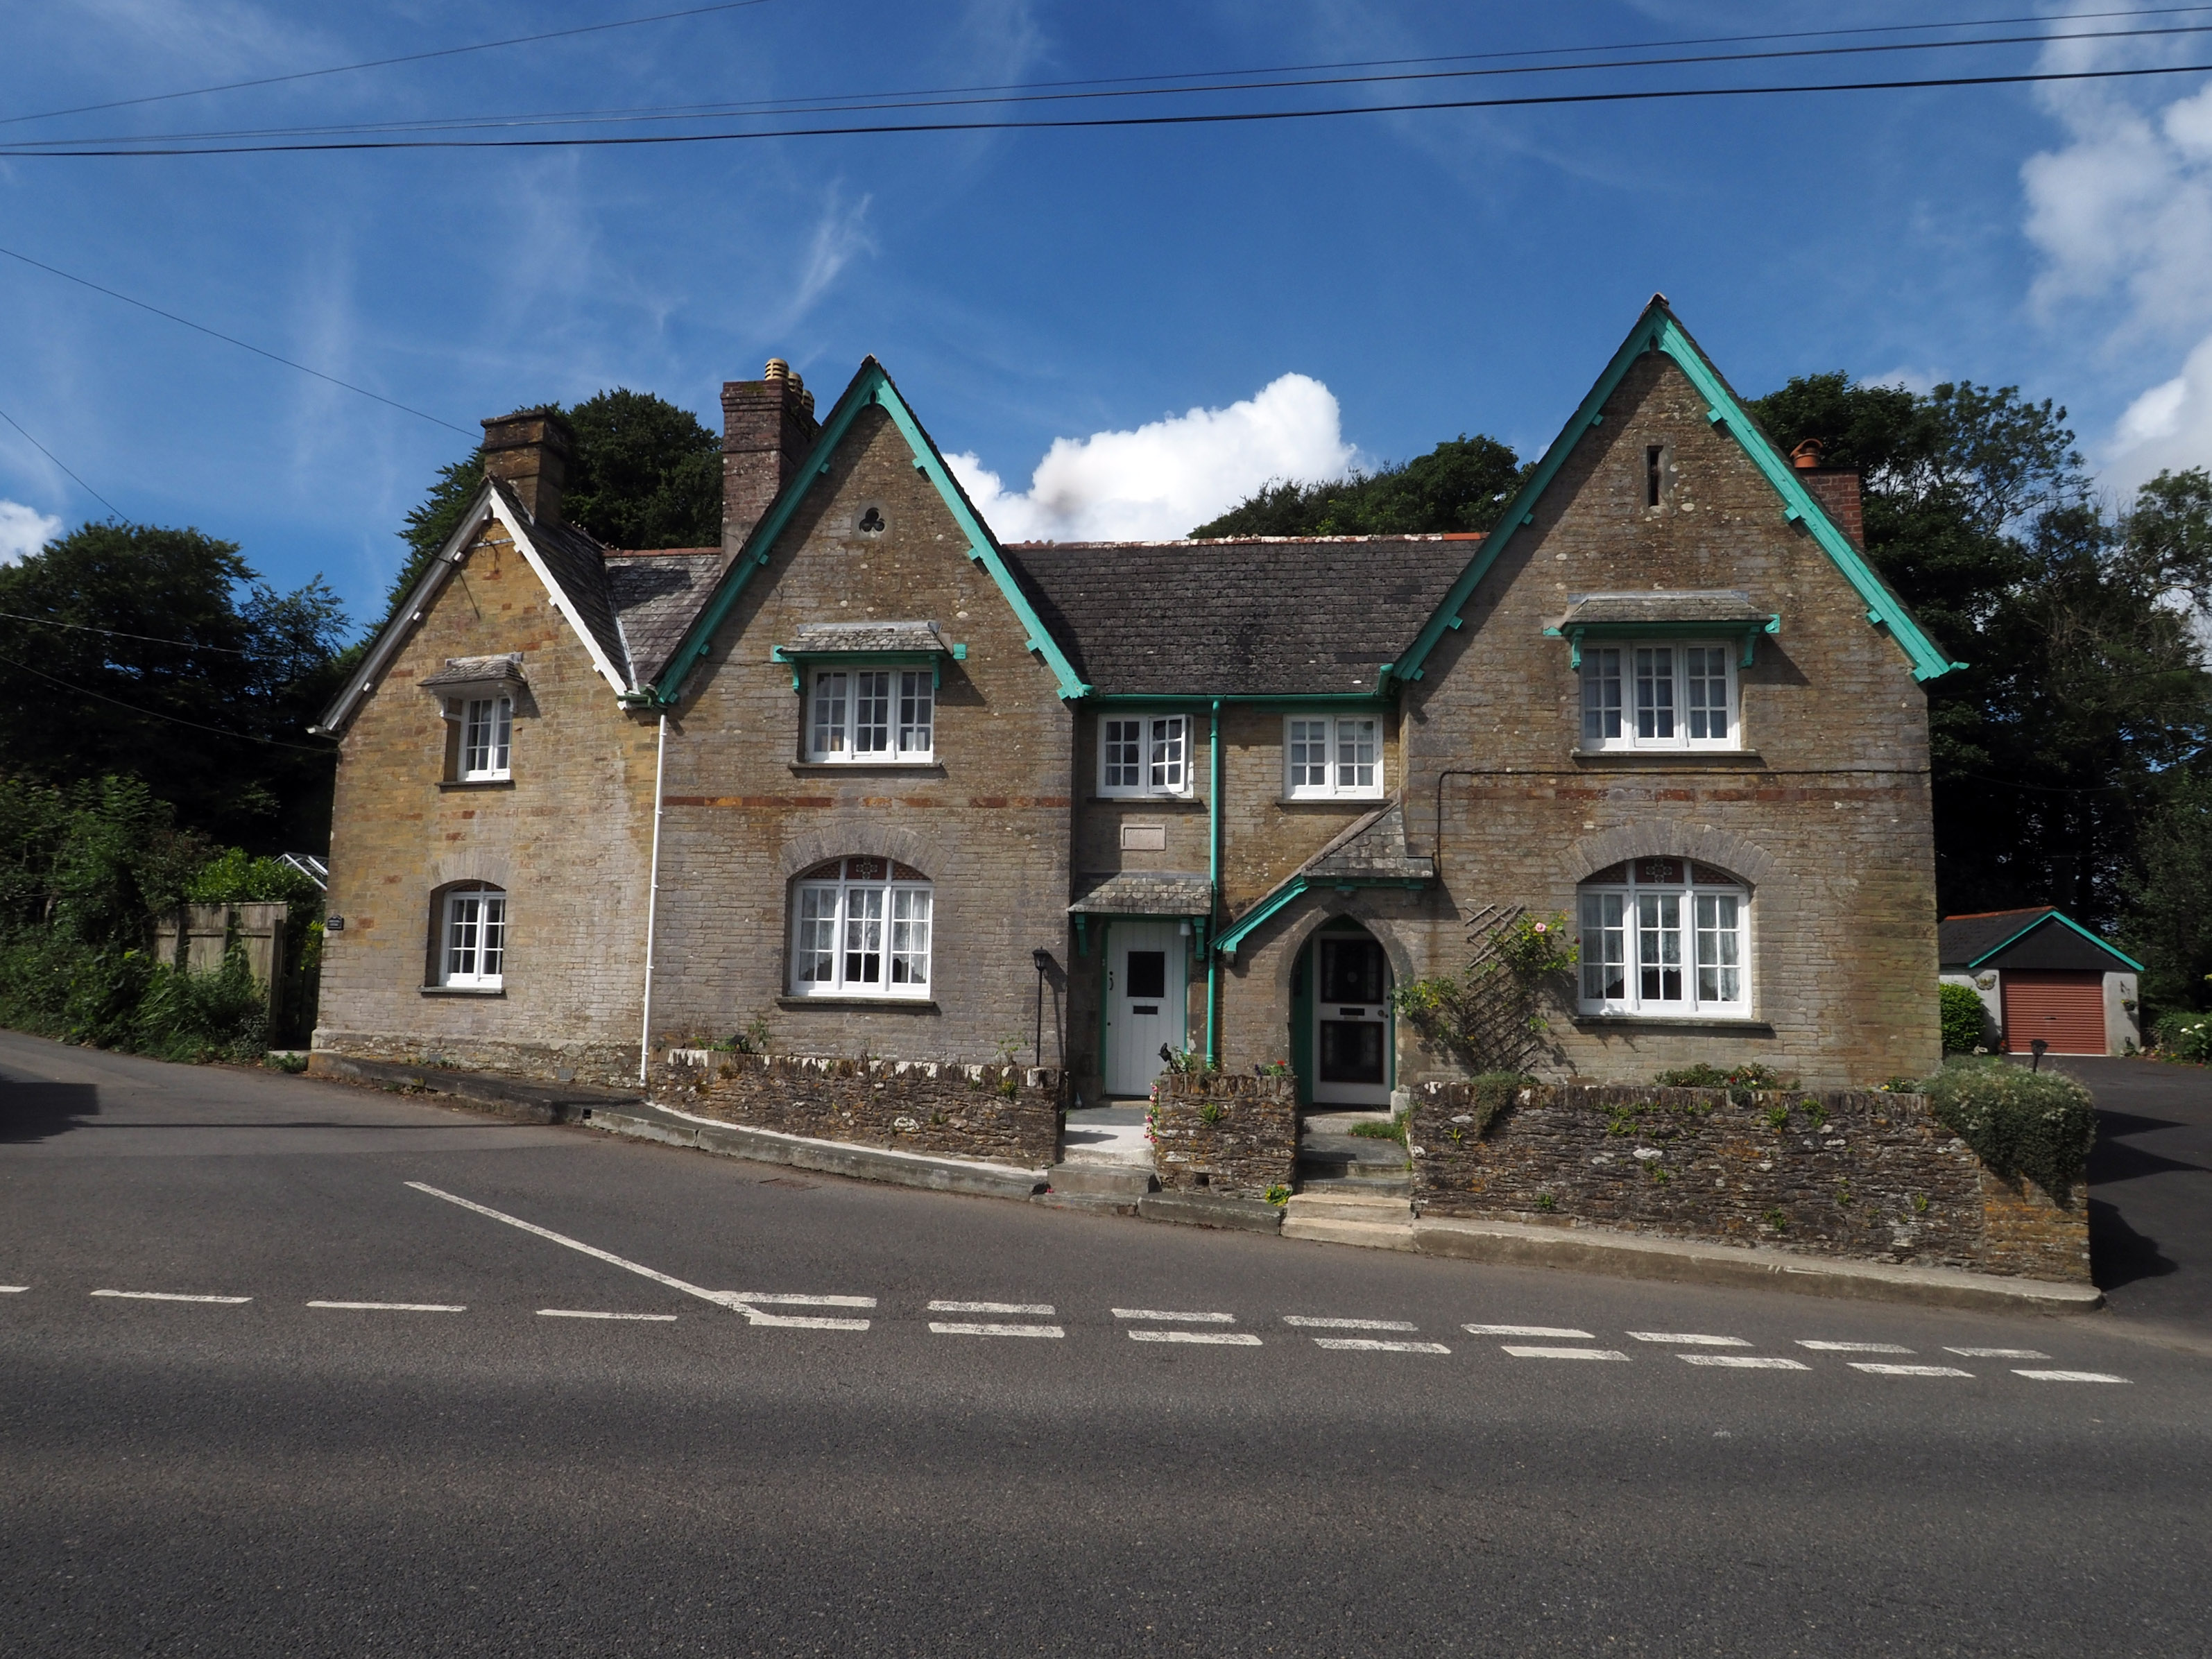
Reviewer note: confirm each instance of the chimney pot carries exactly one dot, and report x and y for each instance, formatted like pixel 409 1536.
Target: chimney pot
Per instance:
pixel 530 451
pixel 1807 455
pixel 768 426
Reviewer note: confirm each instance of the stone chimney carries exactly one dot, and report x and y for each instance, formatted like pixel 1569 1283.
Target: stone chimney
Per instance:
pixel 1836 489
pixel 768 426
pixel 529 451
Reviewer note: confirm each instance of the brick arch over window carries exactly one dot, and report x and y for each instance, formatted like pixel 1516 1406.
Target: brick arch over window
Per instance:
pixel 861 839
pixel 1299 934
pixel 1656 838
pixel 458 866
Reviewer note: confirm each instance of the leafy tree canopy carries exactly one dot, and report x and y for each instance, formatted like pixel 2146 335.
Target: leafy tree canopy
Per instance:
pixel 160 654
pixel 645 474
pixel 1461 485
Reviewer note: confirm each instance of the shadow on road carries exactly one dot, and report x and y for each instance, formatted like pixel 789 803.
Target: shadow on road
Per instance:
pixel 39 1111
pixel 2119 1254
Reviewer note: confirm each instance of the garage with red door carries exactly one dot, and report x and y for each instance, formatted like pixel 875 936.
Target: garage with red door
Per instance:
pixel 2065 1008
pixel 2044 977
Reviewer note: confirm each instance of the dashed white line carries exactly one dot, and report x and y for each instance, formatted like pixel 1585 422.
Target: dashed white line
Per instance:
pixel 1521 1353
pixel 1350 1324
pixel 2071 1377
pixel 171 1296
pixel 393 1307
pixel 1689 1339
pixel 1999 1353
pixel 1559 1332
pixel 1042 1310
pixel 1907 1370
pixel 13 1290
pixel 582 1313
pixel 1370 1345
pixel 1854 1347
pixel 1744 1362
pixel 785 1299
pixel 1178 1318
pixel 1218 1338
pixel 959 1329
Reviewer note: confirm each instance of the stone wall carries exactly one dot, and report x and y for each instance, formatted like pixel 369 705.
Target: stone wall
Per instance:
pixel 998 1114
pixel 1228 1134
pixel 603 1065
pixel 1871 1175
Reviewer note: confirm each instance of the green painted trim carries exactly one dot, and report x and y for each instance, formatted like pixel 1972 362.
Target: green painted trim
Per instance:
pixel 1245 699
pixel 2055 915
pixel 1663 630
pixel 1657 331
pixel 1212 867
pixel 801 660
pixel 872 386
pixel 1238 931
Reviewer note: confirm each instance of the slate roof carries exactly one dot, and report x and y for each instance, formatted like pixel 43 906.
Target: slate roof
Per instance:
pixel 578 563
pixel 1372 848
pixel 1717 606
pixel 815 638
pixel 2026 939
pixel 656 595
pixel 1274 614
pixel 1145 893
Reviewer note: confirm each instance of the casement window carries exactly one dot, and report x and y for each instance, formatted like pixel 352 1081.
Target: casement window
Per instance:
pixel 1660 697
pixel 1145 755
pixel 1333 758
pixel 487 739
pixel 472 937
pixel 864 715
pixel 1665 937
pixel 860 927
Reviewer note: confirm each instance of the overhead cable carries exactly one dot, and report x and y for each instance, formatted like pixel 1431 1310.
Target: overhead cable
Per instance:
pixel 56 460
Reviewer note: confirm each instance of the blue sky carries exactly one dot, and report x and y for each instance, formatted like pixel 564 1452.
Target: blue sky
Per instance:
pixel 1331 290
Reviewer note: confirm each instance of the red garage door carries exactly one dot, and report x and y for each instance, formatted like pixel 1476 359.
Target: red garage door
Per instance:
pixel 2066 1009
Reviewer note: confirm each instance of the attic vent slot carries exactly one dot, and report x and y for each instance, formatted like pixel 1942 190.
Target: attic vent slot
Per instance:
pixel 1655 473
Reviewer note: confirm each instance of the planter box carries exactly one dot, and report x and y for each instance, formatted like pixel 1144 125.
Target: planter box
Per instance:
pixel 1230 1135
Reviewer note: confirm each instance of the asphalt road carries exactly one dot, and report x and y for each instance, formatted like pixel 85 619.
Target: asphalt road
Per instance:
pixel 2150 1189
pixel 486 1471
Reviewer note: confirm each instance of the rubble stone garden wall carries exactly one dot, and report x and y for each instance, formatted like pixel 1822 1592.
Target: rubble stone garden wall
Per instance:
pixel 1229 1134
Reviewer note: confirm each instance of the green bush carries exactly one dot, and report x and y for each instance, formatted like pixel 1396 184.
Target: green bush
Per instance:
pixel 2182 1034
pixel 1740 1080
pixel 1966 1019
pixel 194 1017
pixel 2019 1123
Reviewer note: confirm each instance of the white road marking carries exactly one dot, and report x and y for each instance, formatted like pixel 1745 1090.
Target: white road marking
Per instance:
pixel 13 1290
pixel 1559 1331
pixel 720 1298
pixel 393 1307
pixel 1180 1318
pixel 1689 1339
pixel 1908 1370
pixel 1351 1324
pixel 2071 1377
pixel 1854 1347
pixel 1520 1352
pixel 171 1296
pixel 1042 1310
pixel 2000 1353
pixel 1369 1344
pixel 1220 1339
pixel 1744 1362
pixel 949 1329
pixel 783 1299
pixel 579 1313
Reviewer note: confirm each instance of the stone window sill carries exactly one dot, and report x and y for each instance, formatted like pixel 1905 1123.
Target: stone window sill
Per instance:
pixel 1670 760
pixel 1670 1023
pixel 1361 803
pixel 880 1004
pixel 476 783
pixel 928 769
pixel 463 991
pixel 1149 803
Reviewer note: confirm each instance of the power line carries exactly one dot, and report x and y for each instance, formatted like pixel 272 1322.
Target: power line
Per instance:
pixel 1084 123
pixel 56 460
pixel 384 63
pixel 116 633
pixel 229 339
pixel 155 714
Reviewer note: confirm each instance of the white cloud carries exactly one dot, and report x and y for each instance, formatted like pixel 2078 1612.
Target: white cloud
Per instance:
pixel 840 235
pixel 1165 477
pixel 24 531
pixel 2168 427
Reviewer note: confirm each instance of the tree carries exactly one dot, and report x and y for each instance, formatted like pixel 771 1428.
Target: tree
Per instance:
pixel 645 474
pixel 159 654
pixel 1459 486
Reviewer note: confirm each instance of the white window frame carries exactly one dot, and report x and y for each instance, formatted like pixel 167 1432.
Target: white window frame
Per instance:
pixel 1625 703
pixel 1631 924
pixel 487 752
pixel 472 926
pixel 1145 755
pixel 890 706
pixel 862 935
pixel 1350 762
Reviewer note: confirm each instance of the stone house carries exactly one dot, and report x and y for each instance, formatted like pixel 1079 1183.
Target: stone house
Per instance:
pixel 870 779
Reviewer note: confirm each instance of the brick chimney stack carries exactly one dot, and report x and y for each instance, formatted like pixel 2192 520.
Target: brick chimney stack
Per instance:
pixel 768 426
pixel 1836 489
pixel 530 451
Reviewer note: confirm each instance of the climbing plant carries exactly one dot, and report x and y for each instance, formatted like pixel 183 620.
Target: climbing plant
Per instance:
pixel 1490 1015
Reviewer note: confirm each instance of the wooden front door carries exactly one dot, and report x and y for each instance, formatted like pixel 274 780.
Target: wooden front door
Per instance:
pixel 1146 1003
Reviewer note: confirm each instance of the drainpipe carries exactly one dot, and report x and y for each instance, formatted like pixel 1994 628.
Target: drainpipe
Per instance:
pixel 1212 873
pixel 651 906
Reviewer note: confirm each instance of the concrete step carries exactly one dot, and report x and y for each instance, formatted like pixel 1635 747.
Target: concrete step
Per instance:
pixel 1128 1182
pixel 1139 1157
pixel 1345 1201
pixel 1369 1235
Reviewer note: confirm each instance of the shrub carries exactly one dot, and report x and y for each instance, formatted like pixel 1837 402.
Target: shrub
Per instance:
pixel 2185 1035
pixel 1740 1080
pixel 1966 1019
pixel 2019 1123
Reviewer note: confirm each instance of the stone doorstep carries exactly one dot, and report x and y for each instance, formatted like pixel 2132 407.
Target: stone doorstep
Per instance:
pixel 1128 1181
pixel 1370 1234
pixel 1336 1203
pixel 1208 1210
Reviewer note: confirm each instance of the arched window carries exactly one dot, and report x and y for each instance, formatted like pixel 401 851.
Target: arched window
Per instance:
pixel 1665 936
pixel 470 921
pixel 860 928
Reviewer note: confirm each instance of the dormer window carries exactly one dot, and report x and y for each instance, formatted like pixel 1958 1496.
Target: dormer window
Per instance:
pixel 1659 696
pixel 872 715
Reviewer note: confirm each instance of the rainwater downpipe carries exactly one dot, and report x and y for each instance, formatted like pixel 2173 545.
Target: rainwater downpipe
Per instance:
pixel 1212 873
pixel 651 907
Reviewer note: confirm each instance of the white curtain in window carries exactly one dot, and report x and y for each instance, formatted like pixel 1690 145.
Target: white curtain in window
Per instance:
pixel 860 927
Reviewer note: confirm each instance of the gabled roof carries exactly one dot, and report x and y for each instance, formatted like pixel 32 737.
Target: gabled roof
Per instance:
pixel 1965 943
pixel 1369 852
pixel 1657 330
pixel 872 387
pixel 655 596
pixel 1274 616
